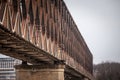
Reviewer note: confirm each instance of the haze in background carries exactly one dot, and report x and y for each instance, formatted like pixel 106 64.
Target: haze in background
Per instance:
pixel 99 24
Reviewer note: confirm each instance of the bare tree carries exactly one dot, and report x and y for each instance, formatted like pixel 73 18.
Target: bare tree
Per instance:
pixel 107 71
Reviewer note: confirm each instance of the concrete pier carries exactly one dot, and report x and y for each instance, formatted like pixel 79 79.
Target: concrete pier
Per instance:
pixel 40 72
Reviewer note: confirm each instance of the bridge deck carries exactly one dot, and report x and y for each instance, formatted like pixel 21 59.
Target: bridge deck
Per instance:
pixel 43 31
pixel 13 45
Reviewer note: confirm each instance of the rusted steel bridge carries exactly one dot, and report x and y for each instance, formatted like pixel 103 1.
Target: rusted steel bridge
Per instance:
pixel 42 32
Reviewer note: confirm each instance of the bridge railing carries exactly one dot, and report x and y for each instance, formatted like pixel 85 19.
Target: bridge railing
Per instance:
pixel 48 25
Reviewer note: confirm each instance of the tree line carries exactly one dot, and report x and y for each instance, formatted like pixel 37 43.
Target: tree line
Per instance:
pixel 107 71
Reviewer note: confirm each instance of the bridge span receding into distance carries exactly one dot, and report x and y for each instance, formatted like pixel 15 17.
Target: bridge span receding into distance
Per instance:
pixel 43 33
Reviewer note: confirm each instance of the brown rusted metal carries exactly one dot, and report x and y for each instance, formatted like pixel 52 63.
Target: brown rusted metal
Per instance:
pixel 48 25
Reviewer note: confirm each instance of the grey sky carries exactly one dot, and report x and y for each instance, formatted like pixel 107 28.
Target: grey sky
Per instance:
pixel 99 23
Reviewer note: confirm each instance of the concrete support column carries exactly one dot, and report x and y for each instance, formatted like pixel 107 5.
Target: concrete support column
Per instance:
pixel 85 79
pixel 40 72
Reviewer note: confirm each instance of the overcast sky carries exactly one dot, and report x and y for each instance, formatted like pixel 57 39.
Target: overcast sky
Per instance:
pixel 99 23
